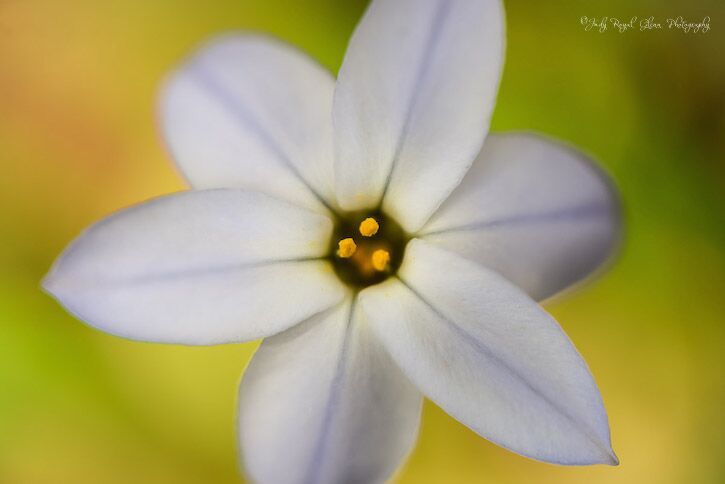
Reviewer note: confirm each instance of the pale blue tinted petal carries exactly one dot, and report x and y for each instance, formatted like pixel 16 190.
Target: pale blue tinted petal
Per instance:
pixel 323 403
pixel 248 111
pixel 204 267
pixel 536 211
pixel 490 357
pixel 413 101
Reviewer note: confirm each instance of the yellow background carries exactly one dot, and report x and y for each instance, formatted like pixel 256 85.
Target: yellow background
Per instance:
pixel 78 140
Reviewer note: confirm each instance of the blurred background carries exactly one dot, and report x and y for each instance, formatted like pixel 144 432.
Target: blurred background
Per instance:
pixel 78 140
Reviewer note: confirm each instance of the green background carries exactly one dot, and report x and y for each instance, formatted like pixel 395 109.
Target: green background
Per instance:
pixel 78 140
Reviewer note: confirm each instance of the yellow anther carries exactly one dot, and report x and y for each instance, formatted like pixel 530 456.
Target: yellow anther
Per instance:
pixel 346 248
pixel 369 227
pixel 381 259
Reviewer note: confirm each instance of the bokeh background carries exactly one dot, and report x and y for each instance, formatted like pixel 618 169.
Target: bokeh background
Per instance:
pixel 78 140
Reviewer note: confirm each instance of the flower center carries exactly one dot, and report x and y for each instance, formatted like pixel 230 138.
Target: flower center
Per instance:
pixel 367 248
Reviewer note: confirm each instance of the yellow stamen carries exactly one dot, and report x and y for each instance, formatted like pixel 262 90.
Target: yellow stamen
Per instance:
pixel 346 248
pixel 369 227
pixel 381 259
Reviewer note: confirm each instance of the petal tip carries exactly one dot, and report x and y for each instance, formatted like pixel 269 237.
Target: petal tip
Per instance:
pixel 612 459
pixel 55 286
pixel 606 457
pixel 49 284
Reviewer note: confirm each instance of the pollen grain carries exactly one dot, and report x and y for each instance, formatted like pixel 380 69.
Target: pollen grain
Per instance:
pixel 381 259
pixel 346 248
pixel 369 227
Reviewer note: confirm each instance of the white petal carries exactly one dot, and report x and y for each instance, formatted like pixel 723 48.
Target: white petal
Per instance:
pixel 323 403
pixel 541 214
pixel 490 357
pixel 413 102
pixel 251 112
pixel 204 267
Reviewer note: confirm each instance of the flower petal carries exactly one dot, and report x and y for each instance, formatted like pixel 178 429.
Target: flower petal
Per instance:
pixel 251 112
pixel 490 357
pixel 413 102
pixel 323 403
pixel 206 267
pixel 541 214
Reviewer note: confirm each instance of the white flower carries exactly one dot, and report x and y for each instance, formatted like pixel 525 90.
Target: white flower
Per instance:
pixel 440 301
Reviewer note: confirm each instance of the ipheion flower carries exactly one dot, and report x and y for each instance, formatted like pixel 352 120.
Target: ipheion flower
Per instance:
pixel 364 229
